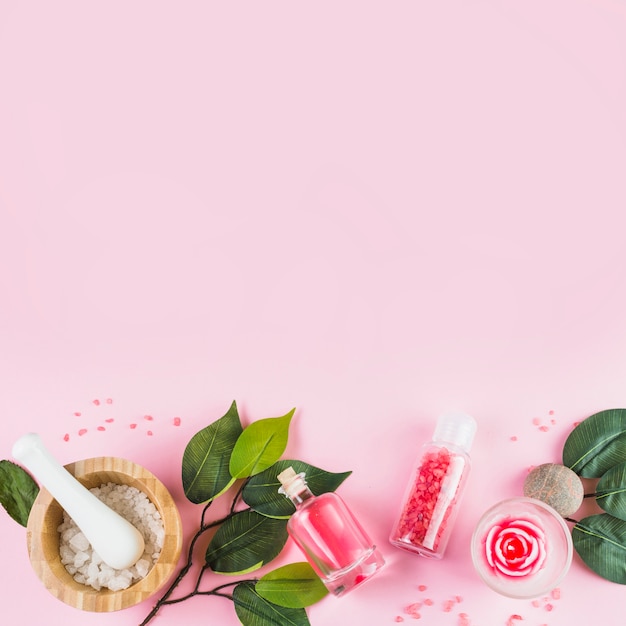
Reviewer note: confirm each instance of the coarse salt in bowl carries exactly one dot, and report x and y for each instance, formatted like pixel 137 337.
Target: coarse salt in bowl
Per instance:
pixel 522 548
pixel 117 478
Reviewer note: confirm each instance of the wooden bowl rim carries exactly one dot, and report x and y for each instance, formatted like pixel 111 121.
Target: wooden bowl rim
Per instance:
pixel 84 596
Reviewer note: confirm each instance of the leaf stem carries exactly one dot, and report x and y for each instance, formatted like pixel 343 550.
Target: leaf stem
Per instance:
pixel 590 495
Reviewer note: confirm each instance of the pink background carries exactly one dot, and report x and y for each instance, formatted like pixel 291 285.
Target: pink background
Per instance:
pixel 372 212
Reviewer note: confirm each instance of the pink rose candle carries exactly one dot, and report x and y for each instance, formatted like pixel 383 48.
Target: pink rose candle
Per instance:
pixel 522 548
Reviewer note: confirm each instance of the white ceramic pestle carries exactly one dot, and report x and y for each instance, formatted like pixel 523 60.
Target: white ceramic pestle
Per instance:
pixel 116 540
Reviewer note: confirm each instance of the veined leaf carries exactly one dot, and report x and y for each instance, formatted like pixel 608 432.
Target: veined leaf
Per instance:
pixel 597 444
pixel 207 457
pixel 295 585
pixel 611 491
pixel 260 445
pixel 17 491
pixel 600 540
pixel 261 491
pixel 253 610
pixel 245 542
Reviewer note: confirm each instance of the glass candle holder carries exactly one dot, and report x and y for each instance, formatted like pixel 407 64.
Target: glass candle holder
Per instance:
pixel 522 548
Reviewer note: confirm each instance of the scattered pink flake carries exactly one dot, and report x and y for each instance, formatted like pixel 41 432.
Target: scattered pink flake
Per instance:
pixel 514 438
pixel 422 587
pixel 148 418
pixel 96 402
pixel 544 429
pixel 109 400
pixel 101 428
pixel 550 412
pixel 549 607
pixel 530 468
pixel 556 593
pixel 77 413
pixel 428 602
pixel 536 603
pixel 413 608
pixel 459 599
pixel 82 431
pixel 448 605
pixel 110 420
pixel 66 437
pixel 574 424
pixel 133 426
pixel 464 619
pixel 149 433
pixel 514 618
pixel 399 618
pixel 536 421
pixel 176 421
pixel 553 422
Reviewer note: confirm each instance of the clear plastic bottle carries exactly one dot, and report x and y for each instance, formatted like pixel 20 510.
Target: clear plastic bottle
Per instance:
pixel 432 497
pixel 330 537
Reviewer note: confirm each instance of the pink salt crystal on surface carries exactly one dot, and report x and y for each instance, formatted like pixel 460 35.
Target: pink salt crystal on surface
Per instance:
pixel 553 422
pixel 96 402
pixel 176 421
pixel 459 599
pixel 77 413
pixel 536 603
pixel 428 602
pixel 82 432
pixel 514 438
pixel 422 587
pixel 66 437
pixel 109 400
pixel 464 619
pixel 536 421
pixel 149 433
pixel 110 420
pixel 412 608
pixel 133 426
pixel 556 594
pixel 544 429
pixel 448 606
pixel 148 418
pixel 550 412
pixel 514 618
pixel 101 428
pixel 549 607
pixel 399 618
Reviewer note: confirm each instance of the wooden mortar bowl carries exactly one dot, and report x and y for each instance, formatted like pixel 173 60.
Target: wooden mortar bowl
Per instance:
pixel 43 538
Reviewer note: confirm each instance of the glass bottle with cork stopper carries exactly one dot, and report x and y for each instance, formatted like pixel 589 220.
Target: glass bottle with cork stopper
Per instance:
pixel 333 541
pixel 433 495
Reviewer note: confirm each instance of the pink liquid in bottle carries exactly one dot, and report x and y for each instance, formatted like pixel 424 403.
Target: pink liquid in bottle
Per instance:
pixel 332 540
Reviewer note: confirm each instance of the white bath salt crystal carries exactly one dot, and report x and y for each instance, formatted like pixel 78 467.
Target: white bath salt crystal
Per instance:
pixel 80 559
pixel 86 566
pixel 79 543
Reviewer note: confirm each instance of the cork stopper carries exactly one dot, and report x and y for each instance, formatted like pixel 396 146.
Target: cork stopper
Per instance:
pixel 292 483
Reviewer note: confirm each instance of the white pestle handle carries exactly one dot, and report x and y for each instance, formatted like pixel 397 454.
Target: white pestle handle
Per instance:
pixel 116 540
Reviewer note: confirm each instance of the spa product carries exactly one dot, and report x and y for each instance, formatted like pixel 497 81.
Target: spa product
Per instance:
pixel 117 541
pixel 521 548
pixel 330 537
pixel 432 497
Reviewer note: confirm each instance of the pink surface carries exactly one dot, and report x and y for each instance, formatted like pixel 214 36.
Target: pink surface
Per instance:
pixel 371 211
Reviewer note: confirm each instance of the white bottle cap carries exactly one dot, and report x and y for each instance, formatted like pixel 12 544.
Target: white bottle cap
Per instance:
pixel 456 428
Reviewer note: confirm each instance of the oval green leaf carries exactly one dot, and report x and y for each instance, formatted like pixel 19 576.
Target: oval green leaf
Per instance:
pixel 295 586
pixel 253 610
pixel 207 457
pixel 261 491
pixel 245 542
pixel 597 444
pixel 600 540
pixel 260 445
pixel 611 491
pixel 18 491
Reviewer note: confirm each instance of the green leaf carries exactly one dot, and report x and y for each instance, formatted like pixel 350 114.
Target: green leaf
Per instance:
pixel 295 585
pixel 253 610
pixel 261 491
pixel 260 445
pixel 600 540
pixel 17 491
pixel 611 491
pixel 207 456
pixel 597 444
pixel 245 542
